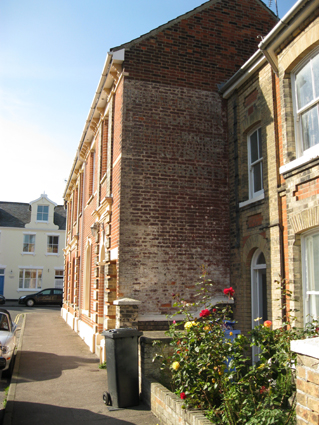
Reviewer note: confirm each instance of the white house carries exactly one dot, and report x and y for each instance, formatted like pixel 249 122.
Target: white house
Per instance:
pixel 32 238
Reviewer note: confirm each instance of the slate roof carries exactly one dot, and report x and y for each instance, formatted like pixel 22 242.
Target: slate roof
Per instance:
pixel 18 214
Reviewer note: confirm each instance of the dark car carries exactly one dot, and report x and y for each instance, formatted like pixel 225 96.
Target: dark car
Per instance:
pixel 2 299
pixel 46 296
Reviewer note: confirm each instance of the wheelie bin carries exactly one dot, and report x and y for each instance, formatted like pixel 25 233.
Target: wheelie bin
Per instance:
pixel 121 346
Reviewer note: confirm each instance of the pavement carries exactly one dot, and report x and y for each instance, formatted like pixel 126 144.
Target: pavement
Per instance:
pixel 56 380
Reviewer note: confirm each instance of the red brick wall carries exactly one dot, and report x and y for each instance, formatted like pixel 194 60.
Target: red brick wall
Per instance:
pixel 117 162
pixel 174 211
pixel 204 49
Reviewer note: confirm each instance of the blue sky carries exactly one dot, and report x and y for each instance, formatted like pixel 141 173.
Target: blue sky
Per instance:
pixel 51 57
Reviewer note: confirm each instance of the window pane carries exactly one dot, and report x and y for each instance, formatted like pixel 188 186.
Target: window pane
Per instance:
pixel 316 263
pixel 310 127
pixel 259 142
pixel 313 306
pixel 43 213
pixel 304 86
pixel 315 71
pixel 261 259
pixel 257 172
pixel 253 147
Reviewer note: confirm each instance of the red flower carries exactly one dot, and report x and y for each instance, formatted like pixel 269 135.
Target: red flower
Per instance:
pixel 214 310
pixel 268 323
pixel 183 396
pixel 262 389
pixel 229 291
pixel 204 313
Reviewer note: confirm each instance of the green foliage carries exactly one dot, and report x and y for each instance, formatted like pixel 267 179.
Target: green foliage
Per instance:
pixel 212 370
pixel 102 365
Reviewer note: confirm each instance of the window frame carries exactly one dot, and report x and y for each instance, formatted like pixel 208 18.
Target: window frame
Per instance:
pixel 300 152
pixel 259 193
pixel 304 258
pixel 42 213
pixel 58 277
pixel 48 244
pixel 38 279
pixel 28 252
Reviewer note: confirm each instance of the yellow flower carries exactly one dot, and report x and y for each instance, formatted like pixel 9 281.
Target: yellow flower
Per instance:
pixel 261 366
pixel 188 325
pixel 206 328
pixel 213 381
pixel 175 366
pixel 230 333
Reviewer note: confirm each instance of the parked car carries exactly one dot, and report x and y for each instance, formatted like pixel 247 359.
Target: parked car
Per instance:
pixel 46 296
pixel 8 331
pixel 2 299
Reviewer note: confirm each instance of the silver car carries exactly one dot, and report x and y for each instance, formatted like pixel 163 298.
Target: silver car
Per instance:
pixel 8 339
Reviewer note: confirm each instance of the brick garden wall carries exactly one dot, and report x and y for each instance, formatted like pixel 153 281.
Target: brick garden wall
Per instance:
pixel 307 381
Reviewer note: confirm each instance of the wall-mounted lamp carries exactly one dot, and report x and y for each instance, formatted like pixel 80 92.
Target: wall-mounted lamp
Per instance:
pixel 95 229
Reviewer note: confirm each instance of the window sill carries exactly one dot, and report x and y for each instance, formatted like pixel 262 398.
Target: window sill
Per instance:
pixel 90 199
pixel 252 200
pixel 308 156
pixel 50 254
pixel 27 253
pixel 103 179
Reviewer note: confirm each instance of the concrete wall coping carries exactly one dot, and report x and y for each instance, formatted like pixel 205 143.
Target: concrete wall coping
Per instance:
pixel 308 347
pixel 126 301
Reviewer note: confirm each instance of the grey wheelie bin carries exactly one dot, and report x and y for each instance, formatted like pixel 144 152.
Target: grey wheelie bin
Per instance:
pixel 122 367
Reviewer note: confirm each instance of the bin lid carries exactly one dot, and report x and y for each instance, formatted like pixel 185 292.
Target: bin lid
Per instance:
pixel 121 333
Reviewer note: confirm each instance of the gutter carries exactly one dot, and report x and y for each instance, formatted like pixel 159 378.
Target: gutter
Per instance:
pixel 254 62
pixel 284 28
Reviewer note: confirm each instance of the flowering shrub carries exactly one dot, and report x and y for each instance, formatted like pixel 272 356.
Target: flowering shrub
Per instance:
pixel 212 371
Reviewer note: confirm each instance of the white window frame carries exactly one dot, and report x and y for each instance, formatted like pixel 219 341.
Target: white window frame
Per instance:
pixel 31 268
pixel 58 278
pixel 305 274
pixel 256 297
pixel 313 150
pixel 252 193
pixel 52 236
pixel 41 220
pixel 28 252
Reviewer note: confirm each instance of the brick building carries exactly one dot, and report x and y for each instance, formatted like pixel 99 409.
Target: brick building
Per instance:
pixel 147 197
pixel 273 131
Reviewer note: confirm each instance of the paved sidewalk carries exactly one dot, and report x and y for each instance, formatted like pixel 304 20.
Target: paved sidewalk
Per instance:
pixel 57 381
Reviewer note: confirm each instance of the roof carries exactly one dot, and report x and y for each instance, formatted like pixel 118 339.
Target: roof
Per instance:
pixel 18 214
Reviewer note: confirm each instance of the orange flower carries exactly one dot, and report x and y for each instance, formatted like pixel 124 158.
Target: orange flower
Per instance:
pixel 268 323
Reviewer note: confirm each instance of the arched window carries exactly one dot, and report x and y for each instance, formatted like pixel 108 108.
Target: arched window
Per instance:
pixel 258 288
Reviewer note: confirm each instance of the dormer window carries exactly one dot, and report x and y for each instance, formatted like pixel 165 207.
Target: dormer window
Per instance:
pixel 43 213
